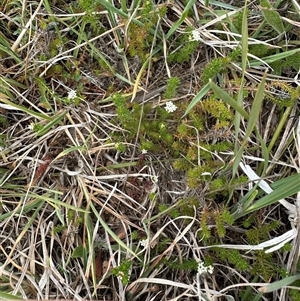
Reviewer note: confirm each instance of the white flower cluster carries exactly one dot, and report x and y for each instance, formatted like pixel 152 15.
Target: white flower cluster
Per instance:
pixel 121 275
pixel 144 242
pixel 202 270
pixel 195 35
pixel 71 94
pixel 170 107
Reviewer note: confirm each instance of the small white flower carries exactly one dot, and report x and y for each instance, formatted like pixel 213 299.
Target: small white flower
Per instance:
pixel 120 275
pixel 202 270
pixel 154 179
pixel 144 242
pixel 210 269
pixel 71 94
pixel 195 35
pixel 144 151
pixel 31 126
pixel 170 107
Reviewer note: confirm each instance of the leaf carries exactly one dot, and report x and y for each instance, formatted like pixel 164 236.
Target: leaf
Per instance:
pixel 14 106
pixel 5 47
pixel 78 252
pixel 272 17
pixel 7 296
pixel 112 234
pixel 279 284
pixel 228 99
pixel 274 57
pixel 52 123
pixel 183 16
pixel 291 186
pixel 255 109
pixel 197 98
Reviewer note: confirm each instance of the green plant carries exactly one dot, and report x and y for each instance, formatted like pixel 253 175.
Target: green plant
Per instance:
pixel 233 257
pixel 260 234
pixel 219 111
pixel 184 48
pixel 183 265
pixel 221 218
pixel 123 271
pixel 263 265
pixel 140 35
pixel 294 294
pixel 153 134
pixel 215 67
pixel 283 94
pixel 172 84
pixel 259 50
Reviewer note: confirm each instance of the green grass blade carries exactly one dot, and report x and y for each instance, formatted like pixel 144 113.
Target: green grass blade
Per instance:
pixel 255 109
pixel 111 233
pixel 112 9
pixel 58 204
pixel 244 40
pixel 197 98
pixel 25 110
pixel 277 285
pixel 181 20
pixel 290 186
pixel 238 150
pixel 285 116
pixel 272 16
pixel 51 124
pixel 70 150
pixel 7 296
pixel 274 57
pixel 25 209
pixel 228 99
pixel 6 48
pixel 10 53
pixel 265 154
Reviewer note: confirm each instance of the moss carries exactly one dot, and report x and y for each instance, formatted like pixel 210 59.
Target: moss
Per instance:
pixel 293 61
pixel 220 218
pixel 187 206
pixel 140 36
pixel 197 175
pixel 233 257
pixel 294 294
pixel 217 184
pixel 181 265
pixel 259 50
pixel 184 49
pixel 260 234
pixel 218 110
pixel 181 164
pixel 172 85
pixel 214 67
pixel 282 94
pixel 263 265
pixel 238 21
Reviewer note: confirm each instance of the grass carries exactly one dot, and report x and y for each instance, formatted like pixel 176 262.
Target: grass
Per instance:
pixel 106 194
